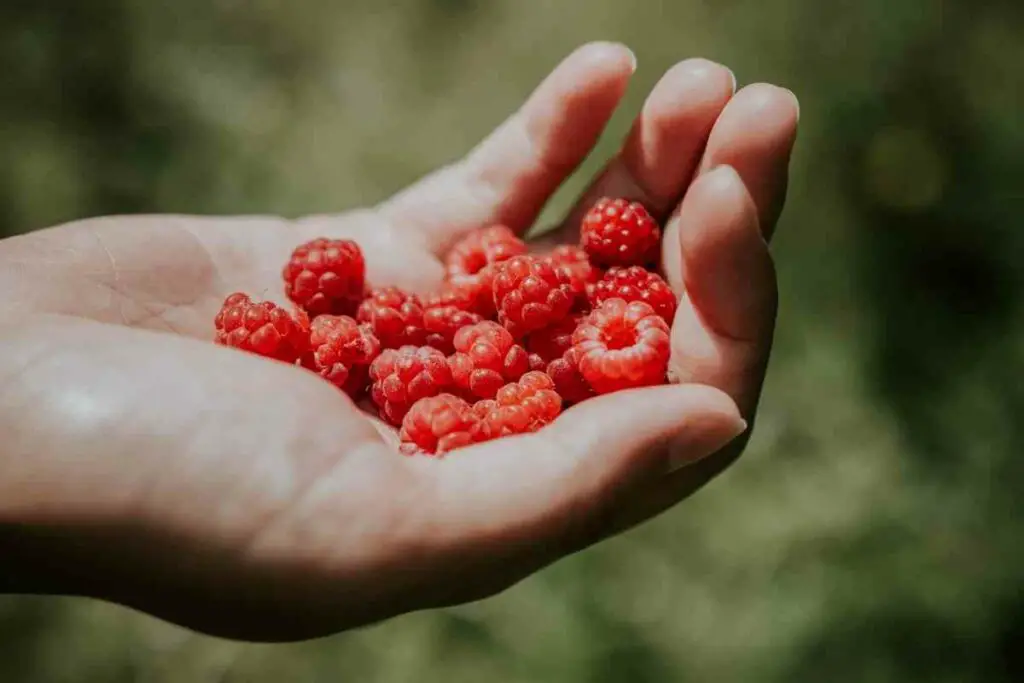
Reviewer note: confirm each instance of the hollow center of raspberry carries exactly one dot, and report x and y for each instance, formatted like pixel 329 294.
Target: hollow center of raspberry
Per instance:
pixel 475 262
pixel 619 336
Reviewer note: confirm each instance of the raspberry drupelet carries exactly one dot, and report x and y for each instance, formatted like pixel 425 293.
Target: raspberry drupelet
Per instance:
pixel 326 276
pixel 531 294
pixel 395 317
pixel 261 327
pixel 343 351
pixel 622 345
pixel 536 363
pixel 617 232
pixel 437 424
pixel 403 376
pixel 486 358
pixel 636 284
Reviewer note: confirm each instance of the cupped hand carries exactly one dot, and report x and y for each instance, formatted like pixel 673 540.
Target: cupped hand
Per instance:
pixel 241 497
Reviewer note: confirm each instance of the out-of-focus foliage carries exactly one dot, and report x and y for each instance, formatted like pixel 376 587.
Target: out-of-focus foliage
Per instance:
pixel 868 535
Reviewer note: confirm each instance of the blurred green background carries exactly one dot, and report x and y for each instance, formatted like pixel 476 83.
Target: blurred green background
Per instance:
pixel 869 533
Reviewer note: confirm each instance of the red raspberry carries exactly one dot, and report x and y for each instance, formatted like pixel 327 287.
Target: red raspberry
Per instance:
pixel 486 358
pixel 469 265
pixel 536 363
pixel 438 424
pixel 443 322
pixel 553 341
pixel 622 345
pixel 403 376
pixel 395 317
pixel 616 232
pixel 569 383
pixel 481 248
pixel 261 327
pixel 326 276
pixel 530 294
pixel 576 263
pixel 520 407
pixel 343 351
pixel 636 284
pixel 474 292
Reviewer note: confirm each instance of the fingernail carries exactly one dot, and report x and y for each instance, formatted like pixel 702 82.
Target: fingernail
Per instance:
pixel 694 445
pixel 722 175
pixel 796 103
pixel 732 75
pixel 632 60
pixel 601 50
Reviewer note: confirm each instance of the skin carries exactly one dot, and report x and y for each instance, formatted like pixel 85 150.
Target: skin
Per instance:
pixel 143 465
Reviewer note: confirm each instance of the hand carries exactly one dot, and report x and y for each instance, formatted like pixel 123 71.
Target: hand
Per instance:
pixel 142 464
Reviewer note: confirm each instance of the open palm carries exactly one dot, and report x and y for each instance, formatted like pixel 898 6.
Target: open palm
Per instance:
pixel 247 498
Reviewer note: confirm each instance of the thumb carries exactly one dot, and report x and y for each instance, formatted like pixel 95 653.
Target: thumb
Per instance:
pixel 542 495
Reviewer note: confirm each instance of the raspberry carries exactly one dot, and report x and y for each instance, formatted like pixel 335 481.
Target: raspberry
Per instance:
pixel 636 284
pixel 403 376
pixel 326 276
pixel 616 232
pixel 622 345
pixel 442 322
pixel 438 424
pixel 553 341
pixel 520 407
pixel 469 265
pixel 474 292
pixel 481 248
pixel 576 264
pixel 395 317
pixel 531 294
pixel 486 358
pixel 262 328
pixel 569 383
pixel 343 351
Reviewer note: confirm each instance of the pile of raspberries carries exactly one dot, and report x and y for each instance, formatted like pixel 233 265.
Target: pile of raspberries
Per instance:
pixel 508 341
